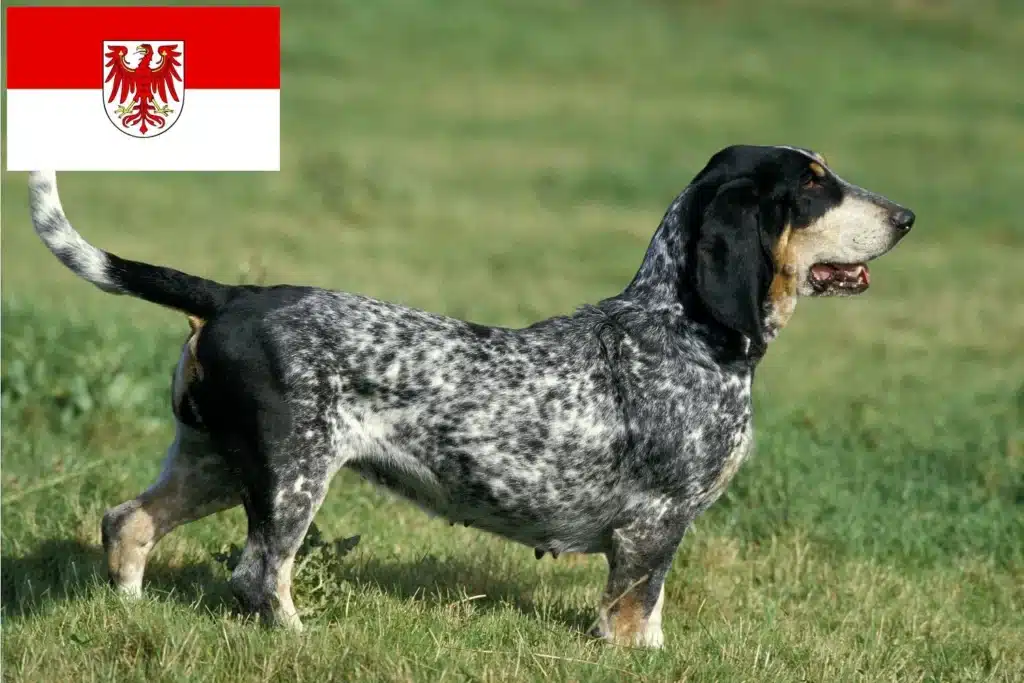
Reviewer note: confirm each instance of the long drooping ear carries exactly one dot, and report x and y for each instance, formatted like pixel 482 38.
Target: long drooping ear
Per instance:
pixel 733 267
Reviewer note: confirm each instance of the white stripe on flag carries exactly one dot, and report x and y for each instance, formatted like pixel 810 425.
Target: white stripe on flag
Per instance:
pixel 219 130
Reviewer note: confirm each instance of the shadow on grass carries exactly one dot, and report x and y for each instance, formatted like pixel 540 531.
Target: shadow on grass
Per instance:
pixel 56 571
pixel 59 571
pixel 446 582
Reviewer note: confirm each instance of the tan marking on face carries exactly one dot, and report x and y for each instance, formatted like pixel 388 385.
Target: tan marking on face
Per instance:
pixel 817 169
pixel 783 289
pixel 811 154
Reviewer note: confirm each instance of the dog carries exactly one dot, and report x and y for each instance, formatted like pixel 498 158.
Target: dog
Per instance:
pixel 605 431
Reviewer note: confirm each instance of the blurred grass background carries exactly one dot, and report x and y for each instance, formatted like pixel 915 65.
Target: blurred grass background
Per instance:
pixel 509 160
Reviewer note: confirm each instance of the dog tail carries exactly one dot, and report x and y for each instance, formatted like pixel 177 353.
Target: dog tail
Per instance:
pixel 163 286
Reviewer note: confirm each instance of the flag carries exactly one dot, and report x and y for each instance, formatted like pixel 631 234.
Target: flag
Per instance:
pixel 143 88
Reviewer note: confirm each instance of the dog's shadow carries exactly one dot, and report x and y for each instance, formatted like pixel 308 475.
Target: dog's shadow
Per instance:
pixel 55 571
pixel 60 571
pixel 450 581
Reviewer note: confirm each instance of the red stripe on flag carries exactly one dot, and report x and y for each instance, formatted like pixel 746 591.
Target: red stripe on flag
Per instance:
pixel 225 47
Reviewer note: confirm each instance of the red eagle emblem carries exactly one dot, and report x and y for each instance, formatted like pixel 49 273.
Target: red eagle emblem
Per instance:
pixel 144 81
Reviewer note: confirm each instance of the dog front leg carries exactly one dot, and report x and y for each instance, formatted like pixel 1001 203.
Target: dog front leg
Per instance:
pixel 630 611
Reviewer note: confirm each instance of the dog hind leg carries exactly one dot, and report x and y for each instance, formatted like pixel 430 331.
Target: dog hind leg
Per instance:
pixel 277 525
pixel 195 482
pixel 285 481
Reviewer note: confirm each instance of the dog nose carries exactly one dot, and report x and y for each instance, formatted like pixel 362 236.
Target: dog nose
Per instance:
pixel 903 220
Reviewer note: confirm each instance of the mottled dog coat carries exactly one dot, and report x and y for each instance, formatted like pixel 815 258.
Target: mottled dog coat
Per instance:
pixel 605 431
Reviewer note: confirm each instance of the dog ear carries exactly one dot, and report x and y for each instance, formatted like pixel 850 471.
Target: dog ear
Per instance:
pixel 733 264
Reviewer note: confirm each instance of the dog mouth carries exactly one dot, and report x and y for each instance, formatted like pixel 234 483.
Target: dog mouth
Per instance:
pixel 839 278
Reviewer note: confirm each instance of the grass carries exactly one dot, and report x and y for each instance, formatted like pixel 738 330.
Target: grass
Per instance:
pixel 506 161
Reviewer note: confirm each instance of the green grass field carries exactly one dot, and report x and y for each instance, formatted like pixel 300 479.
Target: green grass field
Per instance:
pixel 507 161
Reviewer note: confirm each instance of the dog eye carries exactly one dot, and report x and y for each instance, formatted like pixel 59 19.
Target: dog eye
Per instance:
pixel 813 175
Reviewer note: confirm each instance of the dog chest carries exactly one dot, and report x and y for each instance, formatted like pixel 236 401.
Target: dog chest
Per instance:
pixel 738 450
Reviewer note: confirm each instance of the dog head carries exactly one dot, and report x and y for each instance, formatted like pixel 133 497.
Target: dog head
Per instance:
pixel 769 224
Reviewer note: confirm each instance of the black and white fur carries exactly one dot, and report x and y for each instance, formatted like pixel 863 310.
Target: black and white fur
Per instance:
pixel 605 431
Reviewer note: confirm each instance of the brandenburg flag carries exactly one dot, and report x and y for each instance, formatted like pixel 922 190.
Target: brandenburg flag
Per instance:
pixel 143 88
